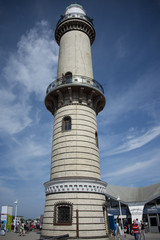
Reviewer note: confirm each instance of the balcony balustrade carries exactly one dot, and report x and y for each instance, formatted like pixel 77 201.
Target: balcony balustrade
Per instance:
pixel 75 80
pixel 75 15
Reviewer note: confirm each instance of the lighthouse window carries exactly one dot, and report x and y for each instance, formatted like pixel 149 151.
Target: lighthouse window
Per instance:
pixel 68 75
pixel 96 137
pixel 66 124
pixel 63 214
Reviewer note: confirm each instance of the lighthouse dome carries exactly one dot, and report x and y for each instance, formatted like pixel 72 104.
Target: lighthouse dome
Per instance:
pixel 75 8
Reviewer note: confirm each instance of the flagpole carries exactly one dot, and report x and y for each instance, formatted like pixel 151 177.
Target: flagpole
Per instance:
pixel 121 215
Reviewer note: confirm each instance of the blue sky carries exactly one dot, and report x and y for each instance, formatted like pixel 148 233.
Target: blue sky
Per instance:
pixel 126 61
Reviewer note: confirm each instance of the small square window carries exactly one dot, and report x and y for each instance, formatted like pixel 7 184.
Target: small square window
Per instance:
pixel 63 214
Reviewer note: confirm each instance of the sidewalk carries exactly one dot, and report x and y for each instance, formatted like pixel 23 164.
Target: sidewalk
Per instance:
pixel 36 236
pixel 15 236
pixel 149 236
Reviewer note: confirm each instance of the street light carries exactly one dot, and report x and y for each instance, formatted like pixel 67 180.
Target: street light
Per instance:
pixel 15 220
pixel 118 199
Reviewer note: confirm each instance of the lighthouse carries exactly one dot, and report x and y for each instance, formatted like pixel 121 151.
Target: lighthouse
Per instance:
pixel 75 195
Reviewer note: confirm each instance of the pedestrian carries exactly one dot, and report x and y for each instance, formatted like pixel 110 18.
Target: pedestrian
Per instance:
pixel 142 231
pixel 116 230
pixel 135 229
pixel 129 228
pixel 32 227
pixel 119 230
pixel 126 225
pixel 139 225
pixel 2 229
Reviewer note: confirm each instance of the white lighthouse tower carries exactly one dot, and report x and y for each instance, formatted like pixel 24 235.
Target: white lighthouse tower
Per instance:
pixel 75 195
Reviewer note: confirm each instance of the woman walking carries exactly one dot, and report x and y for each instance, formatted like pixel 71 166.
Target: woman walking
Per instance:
pixel 135 229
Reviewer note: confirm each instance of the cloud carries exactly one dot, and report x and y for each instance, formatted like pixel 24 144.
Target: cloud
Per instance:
pixel 29 71
pixel 28 158
pixel 6 190
pixel 132 168
pixel 35 62
pixel 121 47
pixel 137 142
pixel 135 107
pixel 139 96
pixel 14 115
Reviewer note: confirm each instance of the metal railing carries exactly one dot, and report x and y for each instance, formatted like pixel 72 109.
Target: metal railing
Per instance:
pixel 76 80
pixel 75 15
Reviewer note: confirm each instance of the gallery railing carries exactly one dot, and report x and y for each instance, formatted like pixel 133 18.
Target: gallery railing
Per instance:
pixel 76 80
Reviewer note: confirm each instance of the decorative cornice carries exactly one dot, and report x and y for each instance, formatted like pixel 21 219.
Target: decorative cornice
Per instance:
pixel 90 92
pixel 75 24
pixel 63 186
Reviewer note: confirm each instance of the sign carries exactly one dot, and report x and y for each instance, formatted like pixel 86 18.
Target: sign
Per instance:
pixel 6 217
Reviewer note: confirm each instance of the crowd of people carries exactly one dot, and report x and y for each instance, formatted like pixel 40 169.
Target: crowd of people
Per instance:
pixel 24 228
pixel 21 228
pixel 137 229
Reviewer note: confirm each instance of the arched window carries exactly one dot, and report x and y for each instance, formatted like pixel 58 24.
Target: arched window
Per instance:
pixel 63 214
pixel 66 124
pixel 68 74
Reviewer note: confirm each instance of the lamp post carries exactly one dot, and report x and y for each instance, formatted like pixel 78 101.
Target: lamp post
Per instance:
pixel 15 220
pixel 118 199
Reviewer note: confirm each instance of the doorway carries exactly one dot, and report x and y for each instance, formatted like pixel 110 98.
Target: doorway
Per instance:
pixel 153 224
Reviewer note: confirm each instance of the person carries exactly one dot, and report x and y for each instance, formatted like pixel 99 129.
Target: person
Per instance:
pixel 2 226
pixel 21 230
pixel 26 228
pixel 116 228
pixel 32 227
pixel 125 225
pixel 135 229
pixel 119 231
pixel 129 228
pixel 2 229
pixel 139 225
pixel 142 231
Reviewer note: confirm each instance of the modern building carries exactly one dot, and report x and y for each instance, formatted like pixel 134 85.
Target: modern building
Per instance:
pixel 142 203
pixel 75 195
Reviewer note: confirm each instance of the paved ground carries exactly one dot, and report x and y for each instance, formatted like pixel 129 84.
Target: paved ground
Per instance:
pixel 15 236
pixel 36 236
pixel 149 236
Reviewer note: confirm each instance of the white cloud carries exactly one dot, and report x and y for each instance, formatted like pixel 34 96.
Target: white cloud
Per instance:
pixel 29 158
pixel 26 156
pixel 29 70
pixel 137 142
pixel 6 190
pixel 14 115
pixel 121 46
pixel 133 168
pixel 35 62
pixel 141 96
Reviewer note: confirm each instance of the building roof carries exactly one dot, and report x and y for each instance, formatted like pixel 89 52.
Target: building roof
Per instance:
pixel 131 195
